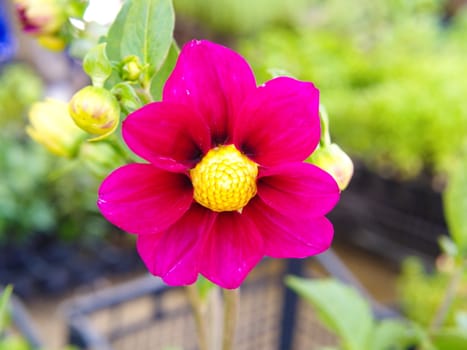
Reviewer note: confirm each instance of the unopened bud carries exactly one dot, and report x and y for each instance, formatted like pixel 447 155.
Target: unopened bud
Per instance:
pixel 95 110
pixel 51 126
pixel 131 68
pixel 335 161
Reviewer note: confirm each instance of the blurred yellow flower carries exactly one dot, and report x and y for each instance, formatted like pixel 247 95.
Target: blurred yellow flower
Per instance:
pixel 51 126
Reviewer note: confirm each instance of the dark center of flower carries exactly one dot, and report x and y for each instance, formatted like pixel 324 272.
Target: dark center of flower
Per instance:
pixel 224 180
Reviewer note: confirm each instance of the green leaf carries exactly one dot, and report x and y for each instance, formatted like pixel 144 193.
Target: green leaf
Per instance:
pixel 4 298
pixel 450 339
pixel 76 8
pixel 152 36
pixel 114 36
pixel 97 65
pixel 340 308
pixel 455 205
pixel 157 83
pixel 144 29
pixel 393 335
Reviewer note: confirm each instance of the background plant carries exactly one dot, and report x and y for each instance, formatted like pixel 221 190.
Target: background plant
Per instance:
pixel 239 17
pixel 389 76
pixel 434 305
pixel 34 198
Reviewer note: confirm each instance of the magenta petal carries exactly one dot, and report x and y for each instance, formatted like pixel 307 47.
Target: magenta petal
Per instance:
pixel 290 237
pixel 298 189
pixel 174 254
pixel 168 135
pixel 231 249
pixel 214 81
pixel 142 199
pixel 279 122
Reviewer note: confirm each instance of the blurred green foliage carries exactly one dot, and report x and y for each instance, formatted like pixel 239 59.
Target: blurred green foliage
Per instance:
pixel 22 207
pixel 348 315
pixel 421 294
pixel 19 87
pixel 238 17
pixel 391 75
pixel 455 204
pixel 34 197
pixel 433 303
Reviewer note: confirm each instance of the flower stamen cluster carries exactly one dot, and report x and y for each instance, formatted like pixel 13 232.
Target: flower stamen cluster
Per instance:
pixel 224 180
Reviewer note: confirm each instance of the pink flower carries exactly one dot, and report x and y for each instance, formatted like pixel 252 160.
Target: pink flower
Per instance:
pixel 225 183
pixel 40 17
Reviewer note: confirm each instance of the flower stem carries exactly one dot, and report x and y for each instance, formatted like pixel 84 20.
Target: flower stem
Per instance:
pixel 144 95
pixel 200 322
pixel 231 301
pixel 215 309
pixel 449 296
pixel 324 119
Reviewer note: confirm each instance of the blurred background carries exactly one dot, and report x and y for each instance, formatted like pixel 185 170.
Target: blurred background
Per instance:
pixel 392 75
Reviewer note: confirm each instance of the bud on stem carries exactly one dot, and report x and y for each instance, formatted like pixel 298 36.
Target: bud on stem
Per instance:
pixel 330 157
pixel 95 110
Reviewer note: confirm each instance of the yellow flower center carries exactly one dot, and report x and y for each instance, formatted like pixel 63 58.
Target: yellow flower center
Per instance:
pixel 224 180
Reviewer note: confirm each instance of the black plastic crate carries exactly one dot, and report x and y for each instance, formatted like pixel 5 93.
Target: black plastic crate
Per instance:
pixel 392 218
pixel 46 265
pixel 145 314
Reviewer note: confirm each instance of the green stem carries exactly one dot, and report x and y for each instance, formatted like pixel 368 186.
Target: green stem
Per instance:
pixel 199 316
pixel 231 301
pixel 145 95
pixel 324 119
pixel 215 319
pixel 449 296
pixel 145 91
pixel 116 144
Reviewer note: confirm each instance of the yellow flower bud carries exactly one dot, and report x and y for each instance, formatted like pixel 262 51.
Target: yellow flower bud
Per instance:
pixel 95 110
pixel 51 126
pixel 131 68
pixel 332 159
